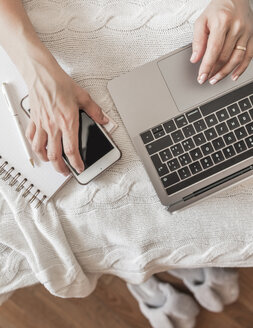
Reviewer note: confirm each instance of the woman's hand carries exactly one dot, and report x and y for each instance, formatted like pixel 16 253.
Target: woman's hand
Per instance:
pixel 54 97
pixel 224 25
pixel 55 100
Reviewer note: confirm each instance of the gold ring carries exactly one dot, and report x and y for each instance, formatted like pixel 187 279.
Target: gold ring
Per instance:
pixel 240 48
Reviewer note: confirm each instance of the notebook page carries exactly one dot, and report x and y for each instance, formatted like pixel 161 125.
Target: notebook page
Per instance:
pixel 43 176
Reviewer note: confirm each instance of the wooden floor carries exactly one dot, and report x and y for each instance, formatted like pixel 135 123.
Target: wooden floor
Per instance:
pixel 111 306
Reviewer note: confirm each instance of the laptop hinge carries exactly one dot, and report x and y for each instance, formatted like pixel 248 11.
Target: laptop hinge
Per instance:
pixel 219 182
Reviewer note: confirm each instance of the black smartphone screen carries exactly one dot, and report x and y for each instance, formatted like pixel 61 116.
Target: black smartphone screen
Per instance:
pixel 93 144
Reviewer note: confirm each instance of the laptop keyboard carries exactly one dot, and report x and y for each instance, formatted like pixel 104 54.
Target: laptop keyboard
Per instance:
pixel 203 141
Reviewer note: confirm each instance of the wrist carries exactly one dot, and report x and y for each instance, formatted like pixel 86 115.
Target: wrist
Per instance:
pixel 29 54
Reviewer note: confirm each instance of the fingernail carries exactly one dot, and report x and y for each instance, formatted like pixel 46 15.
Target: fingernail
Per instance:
pixel 194 56
pixel 105 119
pixel 234 78
pixel 80 169
pixel 202 78
pixel 213 81
pixel 66 173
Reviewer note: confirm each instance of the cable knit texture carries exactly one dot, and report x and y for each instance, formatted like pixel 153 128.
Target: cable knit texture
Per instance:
pixel 116 224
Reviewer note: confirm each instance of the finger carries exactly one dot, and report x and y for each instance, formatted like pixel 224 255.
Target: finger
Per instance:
pixel 54 153
pixel 247 59
pixel 71 146
pixel 39 144
pixel 214 46
pixel 228 48
pixel 30 131
pixel 91 108
pixel 200 37
pixel 235 60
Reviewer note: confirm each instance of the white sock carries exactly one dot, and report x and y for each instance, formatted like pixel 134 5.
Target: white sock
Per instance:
pixel 163 306
pixel 212 287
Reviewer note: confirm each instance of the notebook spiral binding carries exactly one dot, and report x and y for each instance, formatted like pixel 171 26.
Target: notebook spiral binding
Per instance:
pixel 6 174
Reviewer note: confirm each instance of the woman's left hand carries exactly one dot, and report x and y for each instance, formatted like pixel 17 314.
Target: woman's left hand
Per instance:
pixel 223 26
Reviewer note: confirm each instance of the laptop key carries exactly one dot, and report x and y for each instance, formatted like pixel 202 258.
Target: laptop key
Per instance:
pixel 218 143
pixel 244 118
pixel 181 121
pixel 176 149
pixel 165 155
pixel 251 99
pixel 159 134
pixel 169 126
pixel 210 134
pixel 233 123
pixel 211 120
pixel 177 136
pixel 240 133
pixel 229 138
pixel 147 137
pixel 222 115
pixel 188 131
pixel 195 167
pixel 196 154
pixel 249 128
pixel 240 146
pixel 159 144
pixel 245 104
pixel 173 164
pixel 249 142
pixel 161 168
pixel 184 159
pixel 170 179
pixel 188 144
pixel 233 109
pixel 199 139
pixel 206 162
pixel 229 151
pixel 193 115
pixel 207 148
pixel 251 113
pixel 200 125
pixel 209 172
pixel 221 128
pixel 157 129
pixel 184 173
pixel 217 157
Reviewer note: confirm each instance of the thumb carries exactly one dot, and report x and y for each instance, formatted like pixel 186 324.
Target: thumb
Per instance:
pixel 91 108
pixel 200 38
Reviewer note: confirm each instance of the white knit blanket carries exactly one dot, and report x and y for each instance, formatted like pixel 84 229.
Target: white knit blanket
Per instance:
pixel 116 224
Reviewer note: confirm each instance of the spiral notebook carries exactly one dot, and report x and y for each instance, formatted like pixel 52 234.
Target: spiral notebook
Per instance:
pixel 36 184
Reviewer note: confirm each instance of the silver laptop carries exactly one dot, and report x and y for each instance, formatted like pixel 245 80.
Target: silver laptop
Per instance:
pixel 193 139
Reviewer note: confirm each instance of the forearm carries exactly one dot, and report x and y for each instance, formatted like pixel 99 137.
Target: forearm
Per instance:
pixel 19 39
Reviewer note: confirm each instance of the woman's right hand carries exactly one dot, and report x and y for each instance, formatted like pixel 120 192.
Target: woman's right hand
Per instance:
pixel 55 100
pixel 54 97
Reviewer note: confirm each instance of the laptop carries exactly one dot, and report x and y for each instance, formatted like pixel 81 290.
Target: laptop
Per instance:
pixel 194 140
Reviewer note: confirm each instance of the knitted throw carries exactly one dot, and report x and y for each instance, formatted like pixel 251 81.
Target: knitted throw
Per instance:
pixel 116 223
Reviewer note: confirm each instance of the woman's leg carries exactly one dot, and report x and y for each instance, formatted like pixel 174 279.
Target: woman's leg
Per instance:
pixel 165 307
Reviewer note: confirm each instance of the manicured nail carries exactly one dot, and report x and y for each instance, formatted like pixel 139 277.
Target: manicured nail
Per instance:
pixel 234 78
pixel 213 81
pixel 202 78
pixel 194 56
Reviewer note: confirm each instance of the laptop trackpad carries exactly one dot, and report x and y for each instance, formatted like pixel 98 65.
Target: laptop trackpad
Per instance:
pixel 180 76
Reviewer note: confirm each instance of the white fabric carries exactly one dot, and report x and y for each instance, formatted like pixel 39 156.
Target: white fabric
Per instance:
pixel 116 224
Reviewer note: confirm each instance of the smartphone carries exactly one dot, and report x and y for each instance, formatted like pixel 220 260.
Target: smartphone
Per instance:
pixel 96 148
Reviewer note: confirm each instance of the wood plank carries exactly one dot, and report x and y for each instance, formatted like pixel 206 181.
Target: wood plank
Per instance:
pixel 112 306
